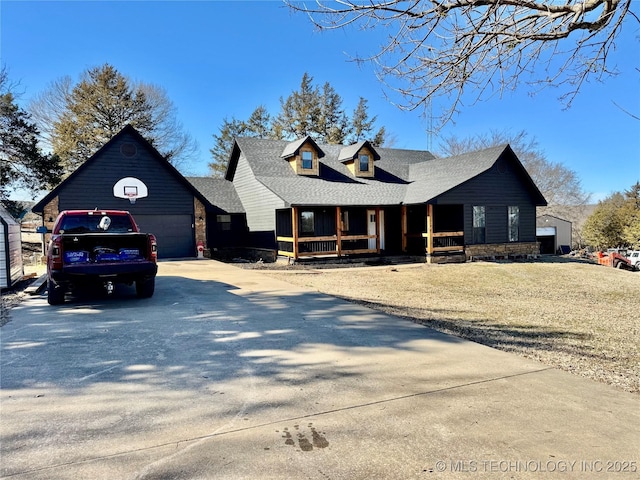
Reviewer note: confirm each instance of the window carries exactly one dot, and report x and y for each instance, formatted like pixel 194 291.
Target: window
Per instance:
pixel 514 223
pixel 307 222
pixel 89 223
pixel 224 222
pixel 307 159
pixel 364 163
pixel 479 225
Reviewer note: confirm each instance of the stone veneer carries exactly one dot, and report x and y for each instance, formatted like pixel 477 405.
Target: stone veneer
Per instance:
pixel 489 251
pixel 502 250
pixel 200 221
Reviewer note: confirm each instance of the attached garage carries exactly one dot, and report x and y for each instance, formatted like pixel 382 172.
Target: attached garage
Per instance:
pixel 175 234
pixel 128 173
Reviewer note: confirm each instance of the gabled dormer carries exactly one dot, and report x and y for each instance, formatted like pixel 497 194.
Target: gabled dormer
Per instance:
pixel 359 159
pixel 303 155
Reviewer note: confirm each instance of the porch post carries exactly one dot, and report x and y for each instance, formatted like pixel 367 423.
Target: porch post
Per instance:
pixel 429 229
pixel 378 230
pixel 338 231
pixel 294 226
pixel 403 215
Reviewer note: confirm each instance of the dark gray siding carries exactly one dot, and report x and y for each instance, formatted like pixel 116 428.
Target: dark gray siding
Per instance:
pixel 93 186
pixel 167 211
pixel 496 190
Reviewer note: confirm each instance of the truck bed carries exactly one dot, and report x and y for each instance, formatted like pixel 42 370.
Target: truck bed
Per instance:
pixel 92 248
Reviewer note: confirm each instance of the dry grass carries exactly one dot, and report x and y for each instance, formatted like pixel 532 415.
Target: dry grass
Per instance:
pixel 577 316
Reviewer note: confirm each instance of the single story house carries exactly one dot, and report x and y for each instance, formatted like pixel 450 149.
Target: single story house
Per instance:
pixel 315 200
pixel 301 199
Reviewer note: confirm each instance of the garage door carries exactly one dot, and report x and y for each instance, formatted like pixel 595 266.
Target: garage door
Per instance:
pixel 174 233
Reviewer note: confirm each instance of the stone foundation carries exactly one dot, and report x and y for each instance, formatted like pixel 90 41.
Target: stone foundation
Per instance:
pixel 497 251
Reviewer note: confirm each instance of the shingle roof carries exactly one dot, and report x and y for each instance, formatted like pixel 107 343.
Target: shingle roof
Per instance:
pixel 433 178
pixel 401 176
pixel 218 192
pixel 349 152
pixel 292 148
pixel 335 183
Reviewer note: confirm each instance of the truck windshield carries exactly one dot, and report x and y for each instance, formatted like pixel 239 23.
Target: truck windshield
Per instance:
pixel 89 224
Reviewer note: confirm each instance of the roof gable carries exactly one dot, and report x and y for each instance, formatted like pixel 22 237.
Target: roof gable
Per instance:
pixel 350 152
pixel 293 148
pixel 442 175
pixel 140 142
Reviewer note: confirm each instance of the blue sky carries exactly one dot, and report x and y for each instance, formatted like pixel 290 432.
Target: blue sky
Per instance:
pixel 223 59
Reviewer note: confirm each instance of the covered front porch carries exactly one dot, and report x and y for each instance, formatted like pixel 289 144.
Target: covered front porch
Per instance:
pixel 336 231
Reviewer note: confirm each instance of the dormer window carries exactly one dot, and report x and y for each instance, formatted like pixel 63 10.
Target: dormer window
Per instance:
pixel 359 158
pixel 364 163
pixel 307 159
pixel 303 156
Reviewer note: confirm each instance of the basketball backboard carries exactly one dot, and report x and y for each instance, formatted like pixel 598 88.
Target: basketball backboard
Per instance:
pixel 130 188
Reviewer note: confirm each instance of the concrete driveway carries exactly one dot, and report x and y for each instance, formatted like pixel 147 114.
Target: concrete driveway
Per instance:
pixel 227 373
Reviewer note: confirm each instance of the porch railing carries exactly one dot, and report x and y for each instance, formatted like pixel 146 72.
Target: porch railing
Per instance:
pixel 327 245
pixel 444 242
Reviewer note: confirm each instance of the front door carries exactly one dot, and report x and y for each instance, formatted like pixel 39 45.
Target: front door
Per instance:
pixel 372 230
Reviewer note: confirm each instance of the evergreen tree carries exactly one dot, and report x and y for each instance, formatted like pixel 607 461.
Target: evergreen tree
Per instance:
pixel 363 126
pixel 630 214
pixel 616 221
pixel 310 111
pixel 22 164
pixel 223 144
pixel 78 120
pixel 258 125
pixel 603 229
pixel 299 112
pixel 332 125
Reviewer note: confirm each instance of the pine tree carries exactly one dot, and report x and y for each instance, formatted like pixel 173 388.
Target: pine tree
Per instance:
pixel 332 125
pixel 603 229
pixel 310 111
pixel 223 144
pixel 299 112
pixel 22 164
pixel 258 126
pixel 98 108
pixel 78 120
pixel 362 126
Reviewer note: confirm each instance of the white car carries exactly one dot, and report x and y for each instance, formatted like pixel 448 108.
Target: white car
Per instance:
pixel 634 258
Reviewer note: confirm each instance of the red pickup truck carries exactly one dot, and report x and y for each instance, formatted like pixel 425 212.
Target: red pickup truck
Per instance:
pixel 100 247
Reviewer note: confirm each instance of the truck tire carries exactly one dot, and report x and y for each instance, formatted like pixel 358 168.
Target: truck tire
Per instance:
pixel 55 294
pixel 145 287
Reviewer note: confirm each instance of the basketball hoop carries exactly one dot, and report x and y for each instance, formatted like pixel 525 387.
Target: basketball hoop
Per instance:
pixel 130 188
pixel 132 197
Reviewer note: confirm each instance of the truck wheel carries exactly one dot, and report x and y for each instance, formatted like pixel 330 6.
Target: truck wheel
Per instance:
pixel 145 287
pixel 55 294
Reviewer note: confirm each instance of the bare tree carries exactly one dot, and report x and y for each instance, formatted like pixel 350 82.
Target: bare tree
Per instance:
pixel 480 48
